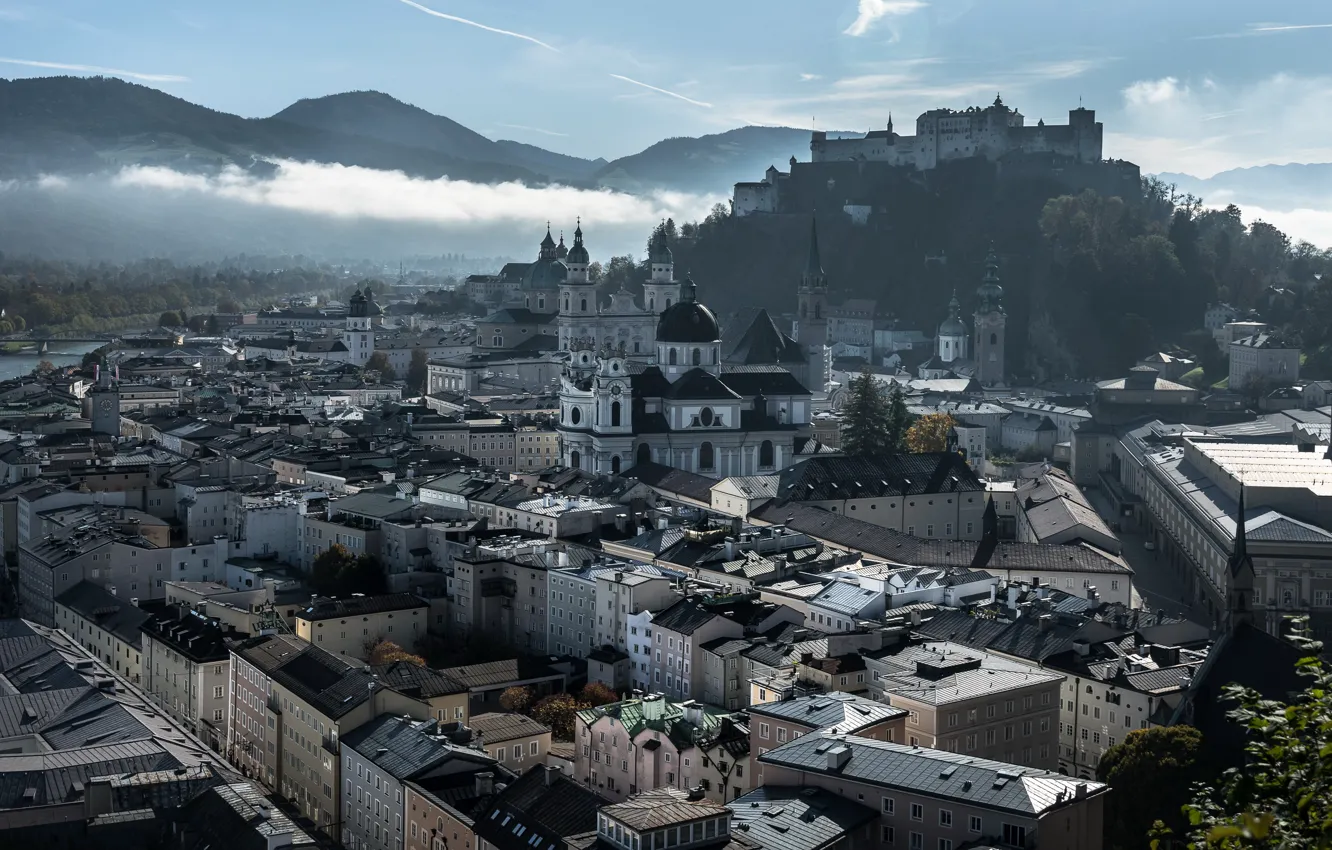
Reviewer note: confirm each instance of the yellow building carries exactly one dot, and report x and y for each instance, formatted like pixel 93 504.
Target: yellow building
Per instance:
pixel 351 627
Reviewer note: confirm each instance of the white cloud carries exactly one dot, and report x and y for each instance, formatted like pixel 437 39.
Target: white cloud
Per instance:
pixel 1202 127
pixel 534 130
pixel 666 92
pixel 869 12
pixel 496 30
pixel 805 78
pixel 353 193
pixel 97 69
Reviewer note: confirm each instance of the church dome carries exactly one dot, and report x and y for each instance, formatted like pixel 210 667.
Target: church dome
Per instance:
pixel 371 308
pixel 953 325
pixel 546 274
pixel 578 253
pixel 687 320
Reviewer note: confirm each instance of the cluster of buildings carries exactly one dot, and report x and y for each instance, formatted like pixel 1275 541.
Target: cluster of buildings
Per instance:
pixel 282 597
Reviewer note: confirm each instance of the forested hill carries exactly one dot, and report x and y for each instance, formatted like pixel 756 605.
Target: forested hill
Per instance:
pixel 1091 283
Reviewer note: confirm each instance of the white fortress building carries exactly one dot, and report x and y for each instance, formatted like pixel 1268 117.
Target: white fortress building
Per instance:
pixel 941 135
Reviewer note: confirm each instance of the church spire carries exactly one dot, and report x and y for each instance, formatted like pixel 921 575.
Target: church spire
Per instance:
pixel 1240 571
pixel 814 276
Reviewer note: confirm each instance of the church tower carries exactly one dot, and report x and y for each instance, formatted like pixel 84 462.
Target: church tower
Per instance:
pixel 1240 577
pixel 661 289
pixel 578 297
pixel 990 323
pixel 360 334
pixel 951 341
pixel 812 324
pixel 104 404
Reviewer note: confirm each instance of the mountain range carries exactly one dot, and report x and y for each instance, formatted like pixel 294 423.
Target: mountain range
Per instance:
pixel 81 125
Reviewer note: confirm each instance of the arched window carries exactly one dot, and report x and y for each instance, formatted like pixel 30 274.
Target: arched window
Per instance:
pixel 615 415
pixel 713 357
pixel 671 358
pixel 766 454
pixel 566 305
pixel 499 341
pixel 541 303
pixel 575 415
pixel 583 305
pixel 652 303
pixel 668 300
pixel 575 460
pixel 615 465
pixel 697 357
pixel 818 310
pixel 644 453
pixel 994 339
pixel 706 456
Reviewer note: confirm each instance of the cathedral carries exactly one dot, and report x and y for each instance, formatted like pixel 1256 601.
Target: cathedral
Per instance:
pixel 686 405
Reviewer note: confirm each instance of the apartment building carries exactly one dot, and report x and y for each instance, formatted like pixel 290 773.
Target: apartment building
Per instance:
pixel 971 702
pixel 515 741
pixel 678 633
pixel 442 811
pixel 590 604
pixel 928 798
pixel 104 624
pixel 290 704
pixel 351 627
pixel 446 697
pixel 542 808
pixel 186 668
pixel 772 724
pixel 650 742
pixel 378 759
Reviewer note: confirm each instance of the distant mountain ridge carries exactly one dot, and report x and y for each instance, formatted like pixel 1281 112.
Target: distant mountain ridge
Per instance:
pixel 1285 187
pixel 79 125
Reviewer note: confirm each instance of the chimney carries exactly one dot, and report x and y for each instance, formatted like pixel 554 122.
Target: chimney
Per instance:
pixel 1091 592
pixel 653 707
pixel 485 784
pixel 838 756
pixel 1012 596
pixel 552 772
pixel 1080 791
pixel 1047 622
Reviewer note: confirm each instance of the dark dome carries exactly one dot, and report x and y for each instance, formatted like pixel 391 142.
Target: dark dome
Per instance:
pixel 546 274
pixel 578 254
pixel 687 320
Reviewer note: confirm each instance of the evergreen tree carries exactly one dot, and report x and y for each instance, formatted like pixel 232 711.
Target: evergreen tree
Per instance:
pixel 899 420
pixel 865 419
pixel 418 372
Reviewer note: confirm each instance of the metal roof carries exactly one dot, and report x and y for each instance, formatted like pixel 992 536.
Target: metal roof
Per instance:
pixel 839 712
pixel 787 818
pixel 934 773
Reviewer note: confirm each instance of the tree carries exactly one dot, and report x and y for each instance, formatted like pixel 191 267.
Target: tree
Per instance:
pixel 45 367
pixel 170 319
pixel 898 419
pixel 418 372
pixel 327 570
pixel 516 698
pixel 379 362
pixel 865 426
pixel 1150 773
pixel 559 712
pixel 1282 798
pixel 228 305
pixel 597 693
pixel 386 652
pixel 929 433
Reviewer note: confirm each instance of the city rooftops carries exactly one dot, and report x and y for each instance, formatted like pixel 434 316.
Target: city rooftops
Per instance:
pixel 932 773
pixel 837 712
pixel 359 606
pixel 495 727
pixel 662 807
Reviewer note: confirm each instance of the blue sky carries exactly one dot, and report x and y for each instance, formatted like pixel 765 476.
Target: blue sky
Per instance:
pixel 1185 85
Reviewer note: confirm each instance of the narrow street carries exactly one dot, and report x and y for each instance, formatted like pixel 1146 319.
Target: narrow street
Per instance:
pixel 1154 581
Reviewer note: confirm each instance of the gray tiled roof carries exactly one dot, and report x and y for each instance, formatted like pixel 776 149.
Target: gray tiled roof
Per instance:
pixel 819 479
pixel 845 598
pixel 496 726
pixel 941 672
pixel 929 772
pixel 847 713
pixel 660 808
pixel 786 818
pixel 684 617
pixel 52 775
pixel 110 612
pixel 330 684
pixel 357 606
pixel 406 749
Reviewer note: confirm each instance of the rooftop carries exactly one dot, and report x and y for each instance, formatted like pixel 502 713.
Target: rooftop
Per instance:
pixel 837 712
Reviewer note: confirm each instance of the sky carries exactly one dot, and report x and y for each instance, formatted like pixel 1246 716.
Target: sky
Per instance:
pixel 1194 86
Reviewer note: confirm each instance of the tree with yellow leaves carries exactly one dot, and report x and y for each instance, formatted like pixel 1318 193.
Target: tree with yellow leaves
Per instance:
pixel 929 433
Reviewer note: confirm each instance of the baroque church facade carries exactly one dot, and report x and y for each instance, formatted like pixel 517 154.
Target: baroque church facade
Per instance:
pixel 687 405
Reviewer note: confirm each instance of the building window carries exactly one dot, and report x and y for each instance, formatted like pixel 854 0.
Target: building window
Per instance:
pixel 917 811
pixel 889 806
pixel 706 456
pixel 766 454
pixel 975 824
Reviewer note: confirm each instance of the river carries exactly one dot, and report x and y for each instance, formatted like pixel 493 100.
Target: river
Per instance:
pixel 60 354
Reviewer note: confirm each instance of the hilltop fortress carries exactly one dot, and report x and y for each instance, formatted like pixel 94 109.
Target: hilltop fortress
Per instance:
pixel 1070 152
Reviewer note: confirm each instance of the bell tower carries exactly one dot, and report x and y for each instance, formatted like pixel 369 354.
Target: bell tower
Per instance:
pixel 104 403
pixel 1240 576
pixel 990 323
pixel 661 289
pixel 812 313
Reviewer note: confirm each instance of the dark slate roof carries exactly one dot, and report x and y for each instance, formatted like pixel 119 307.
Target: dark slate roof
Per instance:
pixel 544 802
pixel 673 481
pixel 404 748
pixel 330 684
pixel 416 681
pixel 110 612
pixel 238 817
pixel 698 383
pixel 496 726
pixel 765 343
pixel 357 606
pixel 200 640
pixel 823 478
pixel 493 673
pixel 519 316
pixel 928 772
pixel 684 617
pixel 52 775
pixel 1245 656
pixel 791 818
pixel 650 383
pixel 847 713
pixel 749 381
pixel 69 718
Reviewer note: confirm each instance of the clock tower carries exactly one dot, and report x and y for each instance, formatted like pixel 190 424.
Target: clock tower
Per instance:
pixel 105 405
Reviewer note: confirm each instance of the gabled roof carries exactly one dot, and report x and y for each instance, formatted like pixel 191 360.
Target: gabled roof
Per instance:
pixel 660 808
pixel 823 478
pixel 684 617
pixel 928 772
pixel 837 712
pixel 764 343
pixel 357 606
pixel 497 726
pixel 790 818
pixel 698 383
pixel 541 802
pixel 405 749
